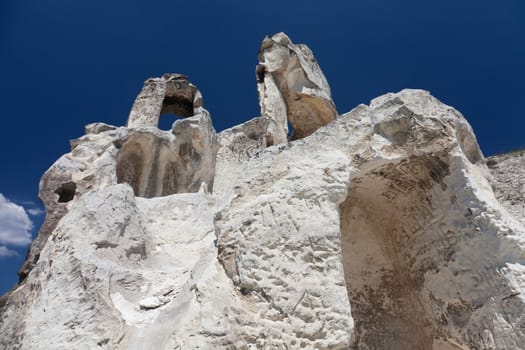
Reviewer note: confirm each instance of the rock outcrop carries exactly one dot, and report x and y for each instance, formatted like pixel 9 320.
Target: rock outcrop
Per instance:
pixel 153 162
pixel 377 229
pixel 292 89
pixel 508 181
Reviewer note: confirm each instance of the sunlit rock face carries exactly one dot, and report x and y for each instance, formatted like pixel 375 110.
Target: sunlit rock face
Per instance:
pixel 152 161
pixel 292 89
pixel 508 181
pixel 377 229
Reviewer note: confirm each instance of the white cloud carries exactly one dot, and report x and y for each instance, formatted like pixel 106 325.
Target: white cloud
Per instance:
pixel 4 251
pixel 35 211
pixel 15 224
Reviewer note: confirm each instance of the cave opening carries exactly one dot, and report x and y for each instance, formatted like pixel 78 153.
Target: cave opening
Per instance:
pixel 66 192
pixel 386 228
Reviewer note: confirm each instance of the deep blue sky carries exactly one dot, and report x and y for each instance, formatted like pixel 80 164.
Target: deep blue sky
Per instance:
pixel 68 63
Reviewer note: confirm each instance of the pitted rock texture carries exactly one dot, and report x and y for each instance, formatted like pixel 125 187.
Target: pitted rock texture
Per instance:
pixel 508 180
pixel 379 230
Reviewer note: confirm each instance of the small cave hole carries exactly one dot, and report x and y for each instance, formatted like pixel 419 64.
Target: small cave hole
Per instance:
pixel 66 192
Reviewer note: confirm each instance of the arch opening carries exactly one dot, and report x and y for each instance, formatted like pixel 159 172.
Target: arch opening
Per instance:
pixel 171 94
pixel 178 102
pixel 179 96
pixel 166 120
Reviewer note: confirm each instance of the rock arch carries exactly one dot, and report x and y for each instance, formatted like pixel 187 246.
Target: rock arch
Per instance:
pixel 159 163
pixel 172 93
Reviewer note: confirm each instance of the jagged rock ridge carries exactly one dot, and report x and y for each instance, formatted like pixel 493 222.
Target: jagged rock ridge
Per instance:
pixel 376 229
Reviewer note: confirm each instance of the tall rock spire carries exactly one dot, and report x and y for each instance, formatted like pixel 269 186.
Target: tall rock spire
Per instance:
pixel 292 89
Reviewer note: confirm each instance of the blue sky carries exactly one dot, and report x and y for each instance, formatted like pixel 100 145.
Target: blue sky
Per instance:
pixel 65 64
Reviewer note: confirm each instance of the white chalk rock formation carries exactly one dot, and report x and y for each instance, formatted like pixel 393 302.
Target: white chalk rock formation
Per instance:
pixel 153 162
pixel 172 93
pixel 378 230
pixel 292 89
pixel 509 181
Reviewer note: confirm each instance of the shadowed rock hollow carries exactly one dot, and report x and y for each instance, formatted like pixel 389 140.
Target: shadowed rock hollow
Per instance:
pixel 376 229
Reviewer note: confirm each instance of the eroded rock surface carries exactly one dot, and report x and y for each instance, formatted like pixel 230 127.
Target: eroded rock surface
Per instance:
pixel 378 230
pixel 159 163
pixel 509 181
pixel 172 93
pixel 292 88
pixel 152 161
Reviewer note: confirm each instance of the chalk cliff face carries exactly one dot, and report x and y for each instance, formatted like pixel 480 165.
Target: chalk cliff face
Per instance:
pixel 375 229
